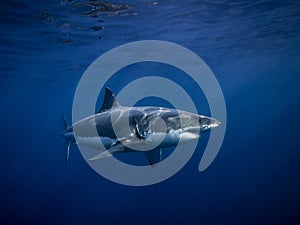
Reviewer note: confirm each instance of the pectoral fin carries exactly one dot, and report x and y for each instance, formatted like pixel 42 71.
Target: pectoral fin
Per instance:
pixel 108 153
pixel 154 156
pixel 102 155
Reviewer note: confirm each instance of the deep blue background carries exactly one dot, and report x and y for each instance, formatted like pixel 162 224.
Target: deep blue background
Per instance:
pixel 251 46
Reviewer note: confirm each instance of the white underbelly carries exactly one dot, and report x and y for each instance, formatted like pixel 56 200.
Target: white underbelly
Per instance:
pixel 95 142
pixel 170 139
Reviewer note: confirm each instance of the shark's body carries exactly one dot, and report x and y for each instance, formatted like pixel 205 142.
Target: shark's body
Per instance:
pixel 116 129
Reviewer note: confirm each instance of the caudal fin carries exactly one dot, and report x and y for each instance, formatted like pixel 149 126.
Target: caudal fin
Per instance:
pixel 65 121
pixel 66 126
pixel 67 150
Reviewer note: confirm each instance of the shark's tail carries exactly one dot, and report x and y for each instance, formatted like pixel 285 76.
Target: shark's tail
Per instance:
pixel 66 126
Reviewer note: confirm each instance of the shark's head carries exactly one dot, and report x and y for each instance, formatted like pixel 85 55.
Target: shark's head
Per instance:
pixel 206 123
pixel 178 125
pixel 190 122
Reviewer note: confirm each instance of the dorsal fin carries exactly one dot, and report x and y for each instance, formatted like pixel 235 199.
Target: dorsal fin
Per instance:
pixel 109 101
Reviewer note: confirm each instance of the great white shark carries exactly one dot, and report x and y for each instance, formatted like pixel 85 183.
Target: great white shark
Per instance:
pixel 117 129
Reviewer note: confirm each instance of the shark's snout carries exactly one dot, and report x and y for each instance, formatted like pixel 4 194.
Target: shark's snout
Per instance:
pixel 206 123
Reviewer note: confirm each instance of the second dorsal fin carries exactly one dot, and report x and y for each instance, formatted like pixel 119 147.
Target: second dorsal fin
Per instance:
pixel 109 101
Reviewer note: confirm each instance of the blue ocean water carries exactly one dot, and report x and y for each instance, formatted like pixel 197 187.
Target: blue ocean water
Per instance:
pixel 253 48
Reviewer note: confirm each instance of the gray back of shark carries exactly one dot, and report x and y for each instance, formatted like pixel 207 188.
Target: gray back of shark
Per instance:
pixel 140 129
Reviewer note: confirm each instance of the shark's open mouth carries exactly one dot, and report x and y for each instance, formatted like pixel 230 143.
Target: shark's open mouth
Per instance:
pixel 194 130
pixel 206 123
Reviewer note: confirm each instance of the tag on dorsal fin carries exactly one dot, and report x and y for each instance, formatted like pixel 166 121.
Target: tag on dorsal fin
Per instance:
pixel 109 101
